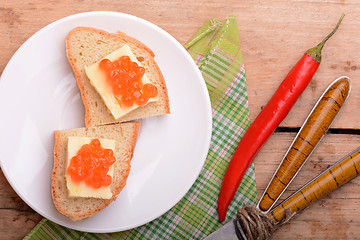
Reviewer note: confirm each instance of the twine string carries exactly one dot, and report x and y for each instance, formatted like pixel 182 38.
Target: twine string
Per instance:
pixel 252 224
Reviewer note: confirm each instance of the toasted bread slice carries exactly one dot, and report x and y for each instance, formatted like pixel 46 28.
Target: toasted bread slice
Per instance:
pixel 77 208
pixel 85 46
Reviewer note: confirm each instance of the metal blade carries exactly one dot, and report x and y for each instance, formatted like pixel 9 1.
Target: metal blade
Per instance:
pixel 226 232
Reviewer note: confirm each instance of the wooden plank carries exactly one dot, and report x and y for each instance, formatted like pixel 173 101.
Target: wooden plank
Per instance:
pixel 330 217
pixel 278 35
pixel 274 35
pixel 16 218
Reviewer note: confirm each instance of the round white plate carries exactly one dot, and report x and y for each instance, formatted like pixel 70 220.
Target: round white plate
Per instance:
pixel 38 95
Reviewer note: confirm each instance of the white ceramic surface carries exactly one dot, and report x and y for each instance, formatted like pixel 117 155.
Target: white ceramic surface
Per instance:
pixel 38 95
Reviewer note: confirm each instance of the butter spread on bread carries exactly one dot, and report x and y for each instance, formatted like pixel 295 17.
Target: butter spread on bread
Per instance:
pixel 100 82
pixel 81 189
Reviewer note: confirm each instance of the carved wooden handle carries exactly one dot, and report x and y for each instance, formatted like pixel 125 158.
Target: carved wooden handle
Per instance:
pixel 310 134
pixel 340 173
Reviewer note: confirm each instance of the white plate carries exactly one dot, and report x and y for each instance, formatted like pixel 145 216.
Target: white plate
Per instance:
pixel 38 95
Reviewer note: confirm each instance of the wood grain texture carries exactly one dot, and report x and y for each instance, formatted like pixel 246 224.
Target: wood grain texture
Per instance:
pixel 16 218
pixel 331 217
pixel 274 35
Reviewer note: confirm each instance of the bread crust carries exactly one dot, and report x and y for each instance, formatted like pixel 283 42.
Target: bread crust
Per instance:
pixel 77 208
pixel 96 112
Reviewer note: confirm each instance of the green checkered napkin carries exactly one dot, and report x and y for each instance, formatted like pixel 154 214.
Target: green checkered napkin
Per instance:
pixel 216 50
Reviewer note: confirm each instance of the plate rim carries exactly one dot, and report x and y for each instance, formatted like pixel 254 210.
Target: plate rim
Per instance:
pixel 206 138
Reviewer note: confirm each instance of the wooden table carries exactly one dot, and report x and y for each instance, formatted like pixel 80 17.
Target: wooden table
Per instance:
pixel 274 36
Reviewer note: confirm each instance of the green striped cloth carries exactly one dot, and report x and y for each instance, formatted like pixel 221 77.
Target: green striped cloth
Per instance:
pixel 216 50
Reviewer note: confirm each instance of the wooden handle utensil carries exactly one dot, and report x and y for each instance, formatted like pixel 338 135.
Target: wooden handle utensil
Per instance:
pixel 310 134
pixel 329 180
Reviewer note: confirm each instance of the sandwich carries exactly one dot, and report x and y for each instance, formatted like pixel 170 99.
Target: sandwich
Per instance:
pixel 81 198
pixel 86 47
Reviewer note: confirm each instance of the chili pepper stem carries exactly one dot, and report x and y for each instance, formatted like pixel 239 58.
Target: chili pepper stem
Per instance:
pixel 315 52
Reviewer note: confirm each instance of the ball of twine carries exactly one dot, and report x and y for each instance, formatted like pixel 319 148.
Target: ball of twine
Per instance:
pixel 252 224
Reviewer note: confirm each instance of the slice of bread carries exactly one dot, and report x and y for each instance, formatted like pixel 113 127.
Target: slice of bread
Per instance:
pixel 77 208
pixel 85 46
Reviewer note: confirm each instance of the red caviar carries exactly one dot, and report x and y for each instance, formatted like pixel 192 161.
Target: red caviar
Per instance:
pixel 91 164
pixel 125 79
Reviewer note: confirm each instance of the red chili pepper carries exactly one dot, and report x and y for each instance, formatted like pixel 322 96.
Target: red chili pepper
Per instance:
pixel 267 121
